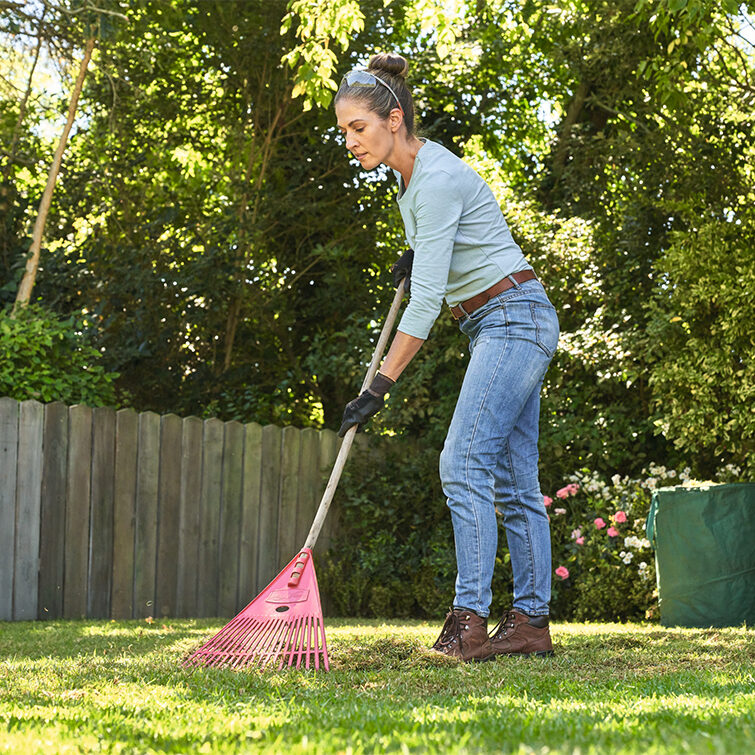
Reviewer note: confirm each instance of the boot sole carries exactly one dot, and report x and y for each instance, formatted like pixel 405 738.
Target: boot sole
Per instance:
pixel 536 653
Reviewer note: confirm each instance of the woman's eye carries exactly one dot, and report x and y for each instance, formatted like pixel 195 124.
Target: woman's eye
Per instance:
pixel 359 130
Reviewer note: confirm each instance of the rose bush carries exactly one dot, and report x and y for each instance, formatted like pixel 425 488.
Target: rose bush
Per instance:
pixel 603 563
pixel 394 556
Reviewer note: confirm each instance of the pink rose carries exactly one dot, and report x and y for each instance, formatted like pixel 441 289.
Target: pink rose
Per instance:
pixel 599 523
pixel 580 541
pixel 562 572
pixel 612 532
pixel 567 490
pixel 620 517
pixel 563 493
pixel 575 534
pixel 547 500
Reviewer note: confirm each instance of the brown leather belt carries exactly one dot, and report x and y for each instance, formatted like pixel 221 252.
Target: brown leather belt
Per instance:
pixel 467 307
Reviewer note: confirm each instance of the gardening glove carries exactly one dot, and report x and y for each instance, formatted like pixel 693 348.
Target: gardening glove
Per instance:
pixel 360 409
pixel 402 270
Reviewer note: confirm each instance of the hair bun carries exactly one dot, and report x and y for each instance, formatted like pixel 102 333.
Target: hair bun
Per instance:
pixel 395 65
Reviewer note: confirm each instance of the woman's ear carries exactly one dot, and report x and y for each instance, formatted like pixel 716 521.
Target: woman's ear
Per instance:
pixel 395 118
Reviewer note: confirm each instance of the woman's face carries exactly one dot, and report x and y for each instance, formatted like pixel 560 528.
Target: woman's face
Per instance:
pixel 369 137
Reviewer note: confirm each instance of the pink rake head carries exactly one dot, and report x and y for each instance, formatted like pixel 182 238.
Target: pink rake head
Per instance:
pixel 282 626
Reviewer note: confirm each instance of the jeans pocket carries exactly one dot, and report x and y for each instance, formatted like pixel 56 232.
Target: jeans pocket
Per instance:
pixel 546 327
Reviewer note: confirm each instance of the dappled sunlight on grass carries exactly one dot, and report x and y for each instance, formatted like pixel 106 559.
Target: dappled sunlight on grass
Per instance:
pixel 111 686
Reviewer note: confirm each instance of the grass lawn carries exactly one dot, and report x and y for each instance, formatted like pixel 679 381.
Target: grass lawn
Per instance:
pixel 101 686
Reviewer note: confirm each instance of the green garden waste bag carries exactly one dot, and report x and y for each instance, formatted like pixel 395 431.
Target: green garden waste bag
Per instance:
pixel 704 540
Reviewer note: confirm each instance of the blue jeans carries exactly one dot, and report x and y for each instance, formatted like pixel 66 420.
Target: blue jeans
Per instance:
pixel 490 456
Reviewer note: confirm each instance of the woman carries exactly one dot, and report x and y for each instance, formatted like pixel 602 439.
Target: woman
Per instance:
pixel 463 251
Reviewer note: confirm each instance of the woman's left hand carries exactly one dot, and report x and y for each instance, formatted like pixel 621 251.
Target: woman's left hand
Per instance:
pixel 358 411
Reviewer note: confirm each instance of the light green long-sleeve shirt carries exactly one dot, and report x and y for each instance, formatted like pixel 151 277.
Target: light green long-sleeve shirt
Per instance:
pixel 462 244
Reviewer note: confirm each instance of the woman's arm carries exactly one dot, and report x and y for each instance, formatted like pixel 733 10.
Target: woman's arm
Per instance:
pixel 402 351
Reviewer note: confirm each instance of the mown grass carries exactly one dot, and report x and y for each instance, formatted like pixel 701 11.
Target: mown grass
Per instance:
pixel 117 687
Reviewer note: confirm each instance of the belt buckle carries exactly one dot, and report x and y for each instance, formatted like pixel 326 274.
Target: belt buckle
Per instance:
pixel 465 313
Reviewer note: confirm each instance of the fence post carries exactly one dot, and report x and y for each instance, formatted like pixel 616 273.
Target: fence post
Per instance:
pixel 166 586
pixel 53 513
pixel 145 526
pixel 8 465
pixel 188 527
pixel 28 512
pixel 212 480
pixel 78 486
pixel 101 538
pixel 250 515
pixel 230 518
pixel 267 561
pixel 124 513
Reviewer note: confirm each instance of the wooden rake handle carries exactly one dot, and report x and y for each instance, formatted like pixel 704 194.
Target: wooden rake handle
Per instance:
pixel 348 439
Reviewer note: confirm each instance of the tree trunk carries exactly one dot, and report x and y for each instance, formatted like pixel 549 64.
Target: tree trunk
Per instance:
pixel 32 264
pixel 572 114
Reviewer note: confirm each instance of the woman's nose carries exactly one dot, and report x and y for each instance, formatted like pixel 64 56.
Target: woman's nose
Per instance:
pixel 350 143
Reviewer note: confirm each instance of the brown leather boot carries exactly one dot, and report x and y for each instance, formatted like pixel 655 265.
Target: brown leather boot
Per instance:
pixel 464 636
pixel 519 634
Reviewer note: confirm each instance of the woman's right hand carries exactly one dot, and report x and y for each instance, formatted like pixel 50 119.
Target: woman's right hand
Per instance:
pixel 402 270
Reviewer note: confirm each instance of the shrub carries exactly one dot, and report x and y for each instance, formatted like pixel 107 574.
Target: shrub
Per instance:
pixel 394 556
pixel 48 358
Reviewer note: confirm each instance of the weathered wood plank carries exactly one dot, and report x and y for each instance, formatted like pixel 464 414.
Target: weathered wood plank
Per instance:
pixel 145 532
pixel 310 483
pixel 250 514
pixel 78 488
pixel 28 510
pixel 9 410
pixel 53 511
pixel 212 482
pixel 329 445
pixel 188 528
pixel 267 563
pixel 169 506
pixel 289 495
pixel 230 519
pixel 124 511
pixel 101 513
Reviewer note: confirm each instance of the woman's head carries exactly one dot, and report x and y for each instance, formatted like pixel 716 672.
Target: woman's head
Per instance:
pixel 381 98
pixel 375 110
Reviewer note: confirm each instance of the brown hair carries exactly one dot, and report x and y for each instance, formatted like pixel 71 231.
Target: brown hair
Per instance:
pixel 392 70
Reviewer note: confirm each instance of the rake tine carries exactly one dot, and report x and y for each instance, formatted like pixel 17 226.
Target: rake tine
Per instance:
pixel 317 643
pixel 324 647
pixel 249 656
pixel 245 649
pixel 273 642
pixel 309 642
pixel 228 638
pixel 292 642
pixel 282 643
pixel 266 638
pixel 219 640
pixel 223 649
pixel 301 641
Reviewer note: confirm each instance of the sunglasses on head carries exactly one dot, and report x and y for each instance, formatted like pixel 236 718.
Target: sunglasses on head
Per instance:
pixel 368 80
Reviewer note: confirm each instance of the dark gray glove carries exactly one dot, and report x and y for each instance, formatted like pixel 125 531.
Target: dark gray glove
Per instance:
pixel 402 270
pixel 370 402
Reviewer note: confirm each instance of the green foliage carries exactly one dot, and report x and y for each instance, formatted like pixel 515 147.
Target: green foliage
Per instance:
pixel 701 339
pixel 395 557
pixel 236 263
pixel 47 358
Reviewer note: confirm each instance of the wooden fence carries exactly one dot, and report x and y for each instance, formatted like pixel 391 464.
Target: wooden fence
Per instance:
pixel 127 515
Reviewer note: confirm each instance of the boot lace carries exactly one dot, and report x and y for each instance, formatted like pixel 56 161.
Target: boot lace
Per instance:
pixel 501 629
pixel 451 632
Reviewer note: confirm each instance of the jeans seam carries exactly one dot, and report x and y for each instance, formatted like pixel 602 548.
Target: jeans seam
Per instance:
pixel 531 586
pixel 466 471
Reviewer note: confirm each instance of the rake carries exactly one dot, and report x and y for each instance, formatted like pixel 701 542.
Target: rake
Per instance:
pixel 283 625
